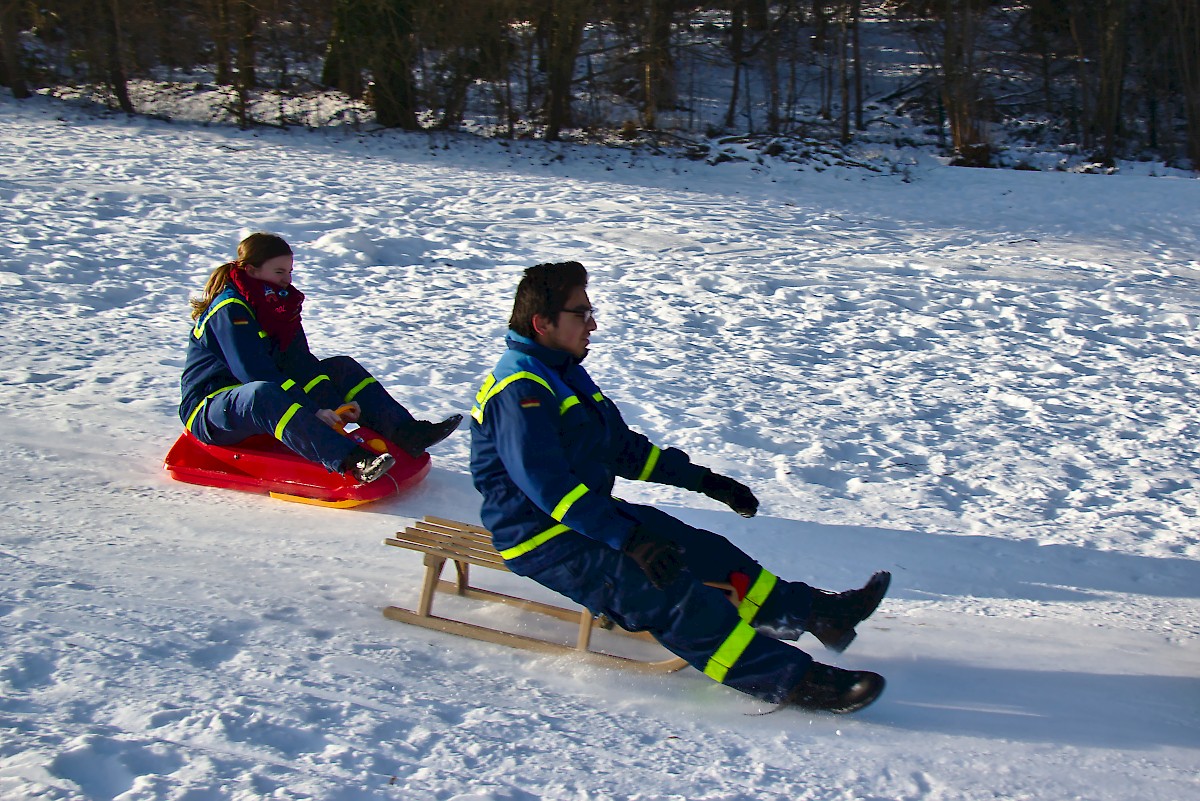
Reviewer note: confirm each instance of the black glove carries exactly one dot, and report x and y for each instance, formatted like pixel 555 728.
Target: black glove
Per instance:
pixel 735 495
pixel 660 559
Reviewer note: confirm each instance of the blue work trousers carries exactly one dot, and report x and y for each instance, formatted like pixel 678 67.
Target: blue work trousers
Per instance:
pixel 689 618
pixel 256 408
pixel 380 411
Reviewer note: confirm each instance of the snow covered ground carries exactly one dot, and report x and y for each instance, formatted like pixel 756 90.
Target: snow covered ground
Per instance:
pixel 983 381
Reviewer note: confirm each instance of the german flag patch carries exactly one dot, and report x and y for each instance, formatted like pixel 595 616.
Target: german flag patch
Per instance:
pixel 530 403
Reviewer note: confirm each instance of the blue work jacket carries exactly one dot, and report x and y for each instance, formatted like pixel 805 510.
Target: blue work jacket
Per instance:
pixel 546 449
pixel 228 347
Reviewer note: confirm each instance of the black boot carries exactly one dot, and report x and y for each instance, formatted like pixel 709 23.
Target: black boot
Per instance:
pixel 366 466
pixel 834 615
pixel 422 434
pixel 831 689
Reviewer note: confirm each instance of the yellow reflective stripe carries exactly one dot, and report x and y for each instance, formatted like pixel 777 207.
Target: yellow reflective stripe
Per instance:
pixel 491 388
pixel 720 663
pixel 198 331
pixel 200 405
pixel 359 387
pixel 482 394
pixel 283 421
pixel 288 384
pixel 757 595
pixel 308 387
pixel 262 334
pixel 533 542
pixel 598 397
pixel 481 398
pixel 568 501
pixel 568 403
pixel 651 461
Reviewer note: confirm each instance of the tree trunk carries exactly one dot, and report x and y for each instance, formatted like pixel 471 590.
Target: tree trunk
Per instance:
pixel 111 55
pixel 844 71
pixel 222 62
pixel 564 26
pixel 247 44
pixel 393 93
pixel 658 85
pixel 737 46
pixel 12 68
pixel 1185 17
pixel 1101 43
pixel 856 25
pixel 961 89
pixel 343 66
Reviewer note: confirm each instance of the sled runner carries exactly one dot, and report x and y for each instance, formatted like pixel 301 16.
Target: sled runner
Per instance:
pixel 264 464
pixel 465 545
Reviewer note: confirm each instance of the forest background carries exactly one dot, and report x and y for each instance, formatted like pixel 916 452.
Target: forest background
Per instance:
pixel 982 82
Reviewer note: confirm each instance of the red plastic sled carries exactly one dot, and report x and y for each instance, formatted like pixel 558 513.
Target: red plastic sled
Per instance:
pixel 264 464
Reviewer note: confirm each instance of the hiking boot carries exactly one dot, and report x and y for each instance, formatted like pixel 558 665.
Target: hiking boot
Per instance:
pixel 422 434
pixel 834 615
pixel 831 618
pixel 365 466
pixel 831 689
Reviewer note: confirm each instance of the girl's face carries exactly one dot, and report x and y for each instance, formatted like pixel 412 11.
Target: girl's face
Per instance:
pixel 276 271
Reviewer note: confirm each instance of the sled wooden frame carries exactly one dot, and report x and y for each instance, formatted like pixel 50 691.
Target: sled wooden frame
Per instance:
pixel 443 540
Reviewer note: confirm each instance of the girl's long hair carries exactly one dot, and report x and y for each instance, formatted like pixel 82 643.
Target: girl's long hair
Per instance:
pixel 253 251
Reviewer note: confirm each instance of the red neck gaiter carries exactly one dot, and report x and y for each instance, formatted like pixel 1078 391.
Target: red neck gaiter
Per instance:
pixel 277 310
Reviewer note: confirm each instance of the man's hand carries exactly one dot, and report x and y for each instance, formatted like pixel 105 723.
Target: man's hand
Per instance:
pixel 735 495
pixel 660 559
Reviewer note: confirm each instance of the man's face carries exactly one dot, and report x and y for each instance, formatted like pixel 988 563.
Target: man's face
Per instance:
pixel 572 327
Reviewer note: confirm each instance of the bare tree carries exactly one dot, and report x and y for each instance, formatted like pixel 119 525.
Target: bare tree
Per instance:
pixel 345 56
pixel 947 33
pixel 108 44
pixel 1185 18
pixel 12 68
pixel 1099 28
pixel 393 91
pixel 561 26
pixel 658 71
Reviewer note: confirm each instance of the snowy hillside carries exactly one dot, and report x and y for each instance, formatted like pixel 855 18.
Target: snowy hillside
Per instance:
pixel 982 381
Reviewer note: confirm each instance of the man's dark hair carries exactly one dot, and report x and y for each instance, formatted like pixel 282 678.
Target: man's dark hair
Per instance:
pixel 544 290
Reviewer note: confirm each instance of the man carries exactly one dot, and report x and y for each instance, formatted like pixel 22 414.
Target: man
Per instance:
pixel 546 448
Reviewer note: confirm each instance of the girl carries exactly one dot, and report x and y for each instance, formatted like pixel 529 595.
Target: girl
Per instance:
pixel 249 371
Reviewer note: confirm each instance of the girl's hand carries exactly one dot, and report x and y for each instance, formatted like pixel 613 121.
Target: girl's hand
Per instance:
pixel 349 412
pixel 330 418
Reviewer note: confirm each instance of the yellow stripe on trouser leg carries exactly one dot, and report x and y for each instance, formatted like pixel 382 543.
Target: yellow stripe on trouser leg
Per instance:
pixel 308 388
pixel 757 596
pixel 207 398
pixel 283 421
pixel 720 663
pixel 359 387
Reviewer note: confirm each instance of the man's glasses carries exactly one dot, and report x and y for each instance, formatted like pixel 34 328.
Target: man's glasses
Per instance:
pixel 588 313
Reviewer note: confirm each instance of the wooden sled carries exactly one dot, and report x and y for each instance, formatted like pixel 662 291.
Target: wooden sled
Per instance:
pixel 447 540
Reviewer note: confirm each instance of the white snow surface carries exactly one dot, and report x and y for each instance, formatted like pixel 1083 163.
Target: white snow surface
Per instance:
pixel 983 381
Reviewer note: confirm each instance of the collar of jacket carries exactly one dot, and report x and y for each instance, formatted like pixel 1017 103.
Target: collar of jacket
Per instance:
pixel 553 358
